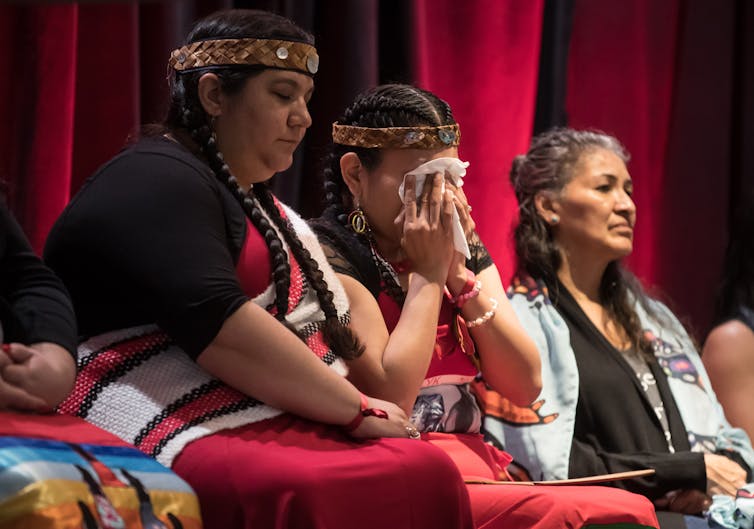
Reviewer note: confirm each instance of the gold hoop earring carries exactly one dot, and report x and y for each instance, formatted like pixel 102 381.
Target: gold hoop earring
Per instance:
pixel 358 221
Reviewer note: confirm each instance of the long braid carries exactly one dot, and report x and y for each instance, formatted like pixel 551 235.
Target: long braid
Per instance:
pixel 339 337
pixel 200 131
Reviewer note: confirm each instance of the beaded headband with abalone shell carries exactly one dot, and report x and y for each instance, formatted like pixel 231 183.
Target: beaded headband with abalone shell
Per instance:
pixel 397 137
pixel 283 54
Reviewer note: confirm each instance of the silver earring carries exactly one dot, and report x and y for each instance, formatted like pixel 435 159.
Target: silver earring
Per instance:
pixel 554 219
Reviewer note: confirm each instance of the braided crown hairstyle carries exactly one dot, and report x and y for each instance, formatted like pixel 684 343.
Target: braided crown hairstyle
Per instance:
pixel 388 105
pixel 547 167
pixel 186 116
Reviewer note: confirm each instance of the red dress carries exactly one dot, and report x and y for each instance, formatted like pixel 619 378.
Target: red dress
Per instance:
pixel 508 505
pixel 288 472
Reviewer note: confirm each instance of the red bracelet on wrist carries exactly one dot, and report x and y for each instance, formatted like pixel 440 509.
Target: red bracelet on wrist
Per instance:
pixel 463 298
pixel 364 412
pixel 467 287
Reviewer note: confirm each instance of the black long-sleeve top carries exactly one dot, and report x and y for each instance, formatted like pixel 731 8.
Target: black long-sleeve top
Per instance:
pixel 34 304
pixel 616 427
pixel 151 238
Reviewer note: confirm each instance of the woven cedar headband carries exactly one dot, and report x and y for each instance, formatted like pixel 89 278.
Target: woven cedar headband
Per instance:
pixel 397 137
pixel 284 54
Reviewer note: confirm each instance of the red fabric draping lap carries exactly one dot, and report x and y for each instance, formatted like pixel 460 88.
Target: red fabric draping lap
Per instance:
pixel 483 57
pixel 620 80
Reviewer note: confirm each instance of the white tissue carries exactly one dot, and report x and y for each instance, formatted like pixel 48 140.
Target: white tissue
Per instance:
pixel 454 168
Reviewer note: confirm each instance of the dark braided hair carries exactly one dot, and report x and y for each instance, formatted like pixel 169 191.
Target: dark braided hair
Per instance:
pixel 548 166
pixel 389 105
pixel 190 124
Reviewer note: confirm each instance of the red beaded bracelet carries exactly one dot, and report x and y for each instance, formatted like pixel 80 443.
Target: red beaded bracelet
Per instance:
pixel 468 287
pixel 364 412
pixel 463 298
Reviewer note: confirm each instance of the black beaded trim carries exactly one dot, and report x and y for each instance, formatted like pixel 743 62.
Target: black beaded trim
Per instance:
pixel 82 363
pixel 225 410
pixel 193 395
pixel 118 372
pixel 329 357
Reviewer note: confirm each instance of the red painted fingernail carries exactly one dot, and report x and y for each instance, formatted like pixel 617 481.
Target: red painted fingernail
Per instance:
pixel 6 348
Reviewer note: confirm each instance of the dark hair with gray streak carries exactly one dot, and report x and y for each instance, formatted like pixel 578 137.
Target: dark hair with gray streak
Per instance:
pixel 548 166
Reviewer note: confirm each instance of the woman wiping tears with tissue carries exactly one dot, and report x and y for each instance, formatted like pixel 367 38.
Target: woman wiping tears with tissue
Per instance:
pixel 428 302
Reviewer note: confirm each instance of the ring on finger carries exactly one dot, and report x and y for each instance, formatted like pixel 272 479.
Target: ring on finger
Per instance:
pixel 468 208
pixel 412 432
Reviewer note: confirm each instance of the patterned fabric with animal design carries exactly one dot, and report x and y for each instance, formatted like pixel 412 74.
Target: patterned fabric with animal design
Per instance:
pixel 59 472
pixel 539 436
pixel 445 402
pixel 733 513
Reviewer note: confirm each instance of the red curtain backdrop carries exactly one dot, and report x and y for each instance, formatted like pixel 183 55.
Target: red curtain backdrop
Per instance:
pixel 482 57
pixel 106 64
pixel 661 77
pixel 664 77
pixel 73 94
pixel 37 101
pixel 620 80
pixel 692 221
pixel 75 101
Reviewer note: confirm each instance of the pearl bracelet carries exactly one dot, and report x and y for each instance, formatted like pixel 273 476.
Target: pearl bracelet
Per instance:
pixel 484 318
